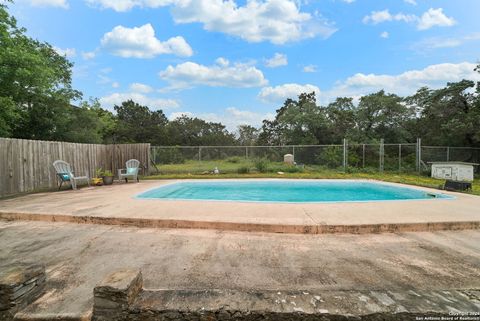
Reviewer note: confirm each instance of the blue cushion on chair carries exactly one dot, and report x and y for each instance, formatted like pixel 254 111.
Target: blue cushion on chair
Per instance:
pixel 131 170
pixel 64 177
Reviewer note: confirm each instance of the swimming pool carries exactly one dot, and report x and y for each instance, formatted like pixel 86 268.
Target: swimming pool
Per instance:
pixel 288 191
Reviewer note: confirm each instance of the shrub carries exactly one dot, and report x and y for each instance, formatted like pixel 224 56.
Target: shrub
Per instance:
pixel 98 172
pixel 354 159
pixel 261 165
pixel 243 170
pixel 107 173
pixel 331 157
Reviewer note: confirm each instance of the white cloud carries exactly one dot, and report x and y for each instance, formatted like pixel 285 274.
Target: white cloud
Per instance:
pixel 277 60
pixel 433 43
pixel 472 37
pixel 106 70
pixel 126 5
pixel 104 79
pixel 276 21
pixel 384 35
pixel 349 1
pixel 50 3
pixel 429 19
pixel 280 93
pixel 412 2
pixel 115 84
pixel 67 52
pixel 233 117
pixel 407 83
pixel 222 62
pixel 180 114
pixel 140 42
pixel 377 17
pixel 434 17
pixel 310 68
pixel 152 102
pixel 436 43
pixel 141 88
pixel 87 55
pixel 190 74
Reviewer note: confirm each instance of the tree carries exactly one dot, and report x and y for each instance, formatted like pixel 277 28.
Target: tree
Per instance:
pixel 247 135
pixel 270 133
pixel 89 123
pixel 36 80
pixel 342 121
pixel 8 116
pixel 138 124
pixel 190 131
pixel 450 115
pixel 297 122
pixel 381 115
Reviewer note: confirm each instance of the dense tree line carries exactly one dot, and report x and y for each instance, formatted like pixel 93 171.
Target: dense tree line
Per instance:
pixel 36 94
pixel 446 116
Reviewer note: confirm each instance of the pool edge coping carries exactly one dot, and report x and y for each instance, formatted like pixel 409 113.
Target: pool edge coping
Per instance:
pixel 447 195
pixel 314 229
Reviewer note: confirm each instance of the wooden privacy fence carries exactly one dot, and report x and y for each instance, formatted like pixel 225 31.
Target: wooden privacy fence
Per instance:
pixel 26 165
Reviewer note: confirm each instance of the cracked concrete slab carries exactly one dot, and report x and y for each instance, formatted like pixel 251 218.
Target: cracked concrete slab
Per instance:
pixel 382 267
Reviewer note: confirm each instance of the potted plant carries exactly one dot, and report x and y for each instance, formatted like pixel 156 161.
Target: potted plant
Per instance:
pixel 98 180
pixel 107 177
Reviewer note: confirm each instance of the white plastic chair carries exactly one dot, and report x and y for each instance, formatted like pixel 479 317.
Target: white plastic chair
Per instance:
pixel 65 174
pixel 131 170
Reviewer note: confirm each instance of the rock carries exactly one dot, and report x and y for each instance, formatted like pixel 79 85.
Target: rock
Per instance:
pixel 114 295
pixel 20 285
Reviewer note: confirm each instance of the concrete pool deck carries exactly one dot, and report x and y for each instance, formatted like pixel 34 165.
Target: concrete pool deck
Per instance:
pixel 117 205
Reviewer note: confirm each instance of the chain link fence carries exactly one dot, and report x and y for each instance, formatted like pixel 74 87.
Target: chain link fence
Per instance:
pixel 343 157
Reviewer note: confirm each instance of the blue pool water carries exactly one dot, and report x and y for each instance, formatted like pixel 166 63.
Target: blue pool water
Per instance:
pixel 289 191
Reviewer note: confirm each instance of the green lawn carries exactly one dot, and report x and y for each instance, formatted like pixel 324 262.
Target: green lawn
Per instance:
pixel 198 167
pixel 194 169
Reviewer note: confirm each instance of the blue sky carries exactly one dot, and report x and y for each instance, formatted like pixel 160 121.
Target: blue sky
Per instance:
pixel 236 61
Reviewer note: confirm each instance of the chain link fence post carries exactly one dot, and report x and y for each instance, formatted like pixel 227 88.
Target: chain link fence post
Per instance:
pixel 419 155
pixel 363 155
pixel 382 155
pixel 399 157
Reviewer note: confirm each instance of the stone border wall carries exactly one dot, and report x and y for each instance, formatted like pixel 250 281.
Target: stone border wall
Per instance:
pixel 20 285
pixel 120 298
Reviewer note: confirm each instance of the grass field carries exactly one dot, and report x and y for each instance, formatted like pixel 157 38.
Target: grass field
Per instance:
pixel 198 167
pixel 201 170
